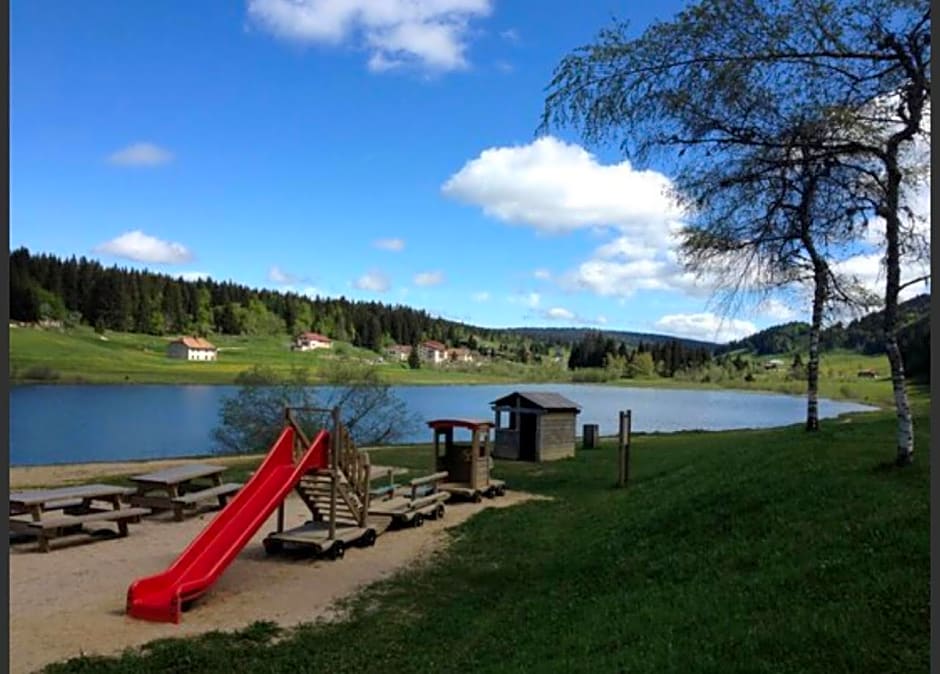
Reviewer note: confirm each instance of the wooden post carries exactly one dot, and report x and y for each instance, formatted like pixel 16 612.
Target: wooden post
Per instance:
pixel 334 453
pixel 280 517
pixel 367 497
pixel 623 444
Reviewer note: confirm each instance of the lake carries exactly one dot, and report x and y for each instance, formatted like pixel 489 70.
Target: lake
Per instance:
pixel 73 424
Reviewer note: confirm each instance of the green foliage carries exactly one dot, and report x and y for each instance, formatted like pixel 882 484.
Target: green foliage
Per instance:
pixel 414 360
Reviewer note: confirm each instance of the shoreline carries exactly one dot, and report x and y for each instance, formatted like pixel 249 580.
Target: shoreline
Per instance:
pixel 60 474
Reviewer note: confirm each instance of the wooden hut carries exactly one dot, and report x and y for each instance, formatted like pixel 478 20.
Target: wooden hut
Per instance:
pixel 540 426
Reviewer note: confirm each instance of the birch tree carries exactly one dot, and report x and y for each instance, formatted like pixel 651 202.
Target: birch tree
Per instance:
pixel 731 76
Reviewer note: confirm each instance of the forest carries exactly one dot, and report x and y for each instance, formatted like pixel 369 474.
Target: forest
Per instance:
pixel 81 291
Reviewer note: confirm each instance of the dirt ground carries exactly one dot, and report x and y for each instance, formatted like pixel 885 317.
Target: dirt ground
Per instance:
pixel 71 600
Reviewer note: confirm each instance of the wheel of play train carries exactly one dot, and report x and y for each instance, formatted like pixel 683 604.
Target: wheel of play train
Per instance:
pixel 477 497
pixel 338 550
pixel 418 520
pixel 368 539
pixel 439 511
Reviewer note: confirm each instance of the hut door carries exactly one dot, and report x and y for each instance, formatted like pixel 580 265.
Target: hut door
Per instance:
pixel 528 436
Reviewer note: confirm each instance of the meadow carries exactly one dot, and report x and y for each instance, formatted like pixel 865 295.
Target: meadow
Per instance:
pixel 744 551
pixel 79 355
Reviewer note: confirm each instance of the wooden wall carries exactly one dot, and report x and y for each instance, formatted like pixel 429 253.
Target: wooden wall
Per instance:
pixel 557 435
pixel 506 445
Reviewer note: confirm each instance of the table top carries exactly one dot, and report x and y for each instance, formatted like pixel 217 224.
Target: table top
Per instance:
pixel 177 474
pixel 39 496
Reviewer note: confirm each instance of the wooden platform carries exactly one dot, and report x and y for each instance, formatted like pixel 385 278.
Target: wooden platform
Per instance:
pixel 404 510
pixel 316 535
pixel 464 490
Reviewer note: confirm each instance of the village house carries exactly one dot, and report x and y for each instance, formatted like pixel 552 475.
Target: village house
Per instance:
pixel 308 341
pixel 399 352
pixel 192 348
pixel 461 355
pixel 432 351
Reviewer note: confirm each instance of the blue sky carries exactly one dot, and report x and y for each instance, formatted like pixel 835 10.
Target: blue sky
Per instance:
pixel 378 150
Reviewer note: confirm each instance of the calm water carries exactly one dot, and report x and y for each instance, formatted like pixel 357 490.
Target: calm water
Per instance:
pixel 66 424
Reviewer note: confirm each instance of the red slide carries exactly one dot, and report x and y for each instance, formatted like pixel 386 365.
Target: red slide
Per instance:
pixel 160 597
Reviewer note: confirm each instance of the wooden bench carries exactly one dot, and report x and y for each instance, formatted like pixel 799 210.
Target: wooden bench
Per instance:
pixel 49 528
pixel 430 482
pixel 190 499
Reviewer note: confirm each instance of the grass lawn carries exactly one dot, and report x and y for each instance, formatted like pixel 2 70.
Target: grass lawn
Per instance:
pixel 744 551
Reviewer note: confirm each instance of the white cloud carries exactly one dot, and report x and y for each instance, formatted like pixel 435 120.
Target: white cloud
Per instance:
pixel 602 320
pixel 429 33
pixel 705 326
pixel 375 281
pixel 141 154
pixel 136 245
pixel 868 271
pixel 556 187
pixel 429 278
pixel 542 274
pixel 194 275
pixel 510 35
pixel 775 309
pixel 394 245
pixel 559 313
pixel 531 300
pixel 504 66
pixel 481 296
pixel 279 276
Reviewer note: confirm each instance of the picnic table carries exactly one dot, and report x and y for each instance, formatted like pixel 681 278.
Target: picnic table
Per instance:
pixel 78 505
pixel 179 488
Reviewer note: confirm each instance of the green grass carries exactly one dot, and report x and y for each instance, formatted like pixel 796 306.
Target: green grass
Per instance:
pixel 79 355
pixel 746 551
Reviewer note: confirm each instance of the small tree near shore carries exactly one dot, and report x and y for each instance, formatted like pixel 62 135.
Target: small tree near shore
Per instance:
pixel 251 419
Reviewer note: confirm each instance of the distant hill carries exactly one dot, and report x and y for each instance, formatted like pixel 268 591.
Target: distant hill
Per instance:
pixel 777 339
pixel 862 335
pixel 569 336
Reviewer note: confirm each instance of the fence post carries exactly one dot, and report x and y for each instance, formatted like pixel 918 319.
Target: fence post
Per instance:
pixel 623 446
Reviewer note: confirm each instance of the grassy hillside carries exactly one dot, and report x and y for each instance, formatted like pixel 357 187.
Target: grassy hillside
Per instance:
pixel 81 355
pixel 734 552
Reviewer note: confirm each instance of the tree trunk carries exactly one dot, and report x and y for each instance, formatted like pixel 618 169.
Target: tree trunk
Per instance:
pixel 820 293
pixel 905 429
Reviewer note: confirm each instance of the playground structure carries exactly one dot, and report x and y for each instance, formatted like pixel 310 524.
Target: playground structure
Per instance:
pixel 421 499
pixel 337 493
pixel 331 477
pixel 467 464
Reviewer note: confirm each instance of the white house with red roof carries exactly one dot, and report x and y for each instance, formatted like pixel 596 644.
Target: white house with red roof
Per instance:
pixel 192 348
pixel 432 351
pixel 307 341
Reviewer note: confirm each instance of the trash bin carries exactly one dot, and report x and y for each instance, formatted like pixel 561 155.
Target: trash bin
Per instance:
pixel 590 436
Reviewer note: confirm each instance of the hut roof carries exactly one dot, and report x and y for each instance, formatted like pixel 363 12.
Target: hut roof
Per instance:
pixel 544 400
pixel 472 424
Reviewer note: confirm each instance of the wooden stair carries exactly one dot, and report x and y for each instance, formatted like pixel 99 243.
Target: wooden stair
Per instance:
pixel 350 472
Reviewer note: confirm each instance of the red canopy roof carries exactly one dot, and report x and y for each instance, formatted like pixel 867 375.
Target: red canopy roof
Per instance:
pixel 472 424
